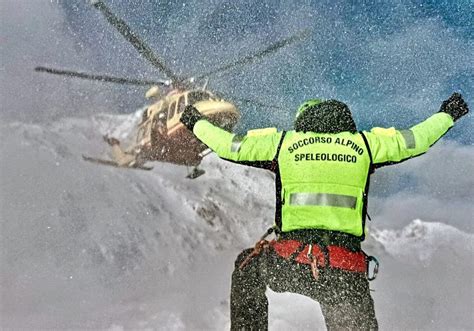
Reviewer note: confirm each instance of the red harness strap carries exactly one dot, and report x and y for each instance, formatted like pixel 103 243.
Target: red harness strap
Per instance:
pixel 339 257
pixel 312 254
pixel 342 258
pixel 285 248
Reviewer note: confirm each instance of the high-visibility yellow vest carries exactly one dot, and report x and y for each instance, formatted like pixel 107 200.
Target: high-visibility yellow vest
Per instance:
pixel 324 179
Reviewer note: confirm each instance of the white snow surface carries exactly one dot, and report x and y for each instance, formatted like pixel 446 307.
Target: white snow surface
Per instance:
pixel 86 246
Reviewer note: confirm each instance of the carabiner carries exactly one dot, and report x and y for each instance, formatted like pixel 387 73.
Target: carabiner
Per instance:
pixel 376 267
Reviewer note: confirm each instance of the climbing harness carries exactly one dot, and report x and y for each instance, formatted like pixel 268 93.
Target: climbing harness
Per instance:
pixel 316 256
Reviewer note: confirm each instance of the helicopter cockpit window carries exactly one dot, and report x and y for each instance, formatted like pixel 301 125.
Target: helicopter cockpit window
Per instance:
pixel 181 104
pixel 196 96
pixel 171 110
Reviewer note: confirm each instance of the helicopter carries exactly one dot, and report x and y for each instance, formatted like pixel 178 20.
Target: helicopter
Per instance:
pixel 160 136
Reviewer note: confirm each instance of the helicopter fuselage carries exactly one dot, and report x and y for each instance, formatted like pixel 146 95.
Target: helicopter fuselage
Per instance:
pixel 161 135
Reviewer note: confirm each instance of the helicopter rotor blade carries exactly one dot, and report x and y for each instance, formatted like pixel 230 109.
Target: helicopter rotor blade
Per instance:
pixel 142 48
pixel 257 56
pixel 103 78
pixel 257 103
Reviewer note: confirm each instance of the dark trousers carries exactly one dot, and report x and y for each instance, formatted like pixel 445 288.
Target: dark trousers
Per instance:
pixel 344 296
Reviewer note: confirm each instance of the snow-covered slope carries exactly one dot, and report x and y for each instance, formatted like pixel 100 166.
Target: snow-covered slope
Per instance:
pixel 89 246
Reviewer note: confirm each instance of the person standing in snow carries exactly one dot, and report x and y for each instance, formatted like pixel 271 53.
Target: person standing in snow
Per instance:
pixel 322 171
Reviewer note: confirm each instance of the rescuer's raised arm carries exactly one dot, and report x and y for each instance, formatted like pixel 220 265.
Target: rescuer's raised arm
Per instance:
pixel 392 146
pixel 257 145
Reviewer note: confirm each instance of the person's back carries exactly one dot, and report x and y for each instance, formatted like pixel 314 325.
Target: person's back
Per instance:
pixel 322 174
pixel 323 179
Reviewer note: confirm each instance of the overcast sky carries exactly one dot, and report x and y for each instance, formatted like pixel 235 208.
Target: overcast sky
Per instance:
pixel 392 62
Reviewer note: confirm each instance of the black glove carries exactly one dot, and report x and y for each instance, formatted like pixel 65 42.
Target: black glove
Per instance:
pixel 455 106
pixel 190 116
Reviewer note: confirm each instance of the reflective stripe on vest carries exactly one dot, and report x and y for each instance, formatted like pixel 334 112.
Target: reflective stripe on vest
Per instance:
pixel 236 143
pixel 409 138
pixel 323 199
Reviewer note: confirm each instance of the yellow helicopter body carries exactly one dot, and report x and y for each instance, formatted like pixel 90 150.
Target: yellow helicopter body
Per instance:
pixel 161 135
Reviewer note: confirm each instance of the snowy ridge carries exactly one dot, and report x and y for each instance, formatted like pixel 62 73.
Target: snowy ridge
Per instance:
pixel 135 249
pixel 419 241
pixel 163 192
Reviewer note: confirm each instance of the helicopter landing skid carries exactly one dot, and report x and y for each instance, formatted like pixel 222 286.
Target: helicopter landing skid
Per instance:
pixel 195 173
pixel 112 163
